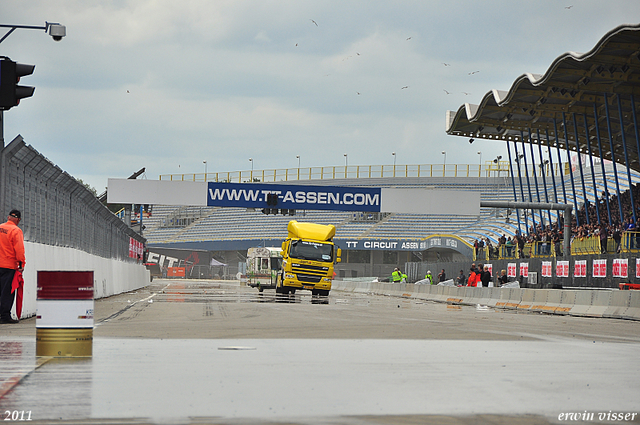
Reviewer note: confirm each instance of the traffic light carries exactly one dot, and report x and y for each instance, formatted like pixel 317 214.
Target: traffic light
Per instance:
pixel 272 199
pixel 10 91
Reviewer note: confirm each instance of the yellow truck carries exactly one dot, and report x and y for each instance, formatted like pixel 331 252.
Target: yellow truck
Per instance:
pixel 308 256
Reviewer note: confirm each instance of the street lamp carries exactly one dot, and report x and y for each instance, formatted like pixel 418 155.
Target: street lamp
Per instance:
pixel 394 163
pixel 480 165
pixel 205 170
pixel 298 156
pixel 346 164
pixel 444 164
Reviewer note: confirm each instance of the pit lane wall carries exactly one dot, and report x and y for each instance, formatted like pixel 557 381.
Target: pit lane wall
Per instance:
pixel 616 304
pixel 111 276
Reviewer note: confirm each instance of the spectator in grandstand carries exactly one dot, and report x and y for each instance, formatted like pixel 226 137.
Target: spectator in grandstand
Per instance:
pixel 520 242
pixel 556 243
pixel 617 237
pixel 462 279
pixel 604 235
pixel 12 259
pixel 509 245
pixel 442 276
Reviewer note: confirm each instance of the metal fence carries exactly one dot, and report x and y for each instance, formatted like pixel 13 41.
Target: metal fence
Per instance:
pixel 56 208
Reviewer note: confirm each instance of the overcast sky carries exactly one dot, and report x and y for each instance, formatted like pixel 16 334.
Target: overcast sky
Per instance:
pixel 167 84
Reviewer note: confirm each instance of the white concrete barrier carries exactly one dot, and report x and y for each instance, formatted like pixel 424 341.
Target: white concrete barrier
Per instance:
pixel 582 303
pixel 619 303
pixel 633 312
pixel 110 276
pixel 599 303
pixel 587 302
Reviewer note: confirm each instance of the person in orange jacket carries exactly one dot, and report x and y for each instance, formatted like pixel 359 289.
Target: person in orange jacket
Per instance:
pixel 11 259
pixel 473 277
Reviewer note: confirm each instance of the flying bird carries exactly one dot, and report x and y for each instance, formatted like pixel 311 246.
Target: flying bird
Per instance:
pixel 127 91
pixel 314 22
pixel 358 93
pixel 465 93
pixel 409 38
pixel 405 87
pixel 446 64
pixel 568 7
pixel 474 72
pixel 446 91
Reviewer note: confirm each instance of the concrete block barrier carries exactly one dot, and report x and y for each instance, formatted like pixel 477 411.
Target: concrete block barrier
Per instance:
pixel 599 303
pixel 582 303
pixel 554 302
pixel 619 303
pixel 590 303
pixel 526 301
pixel 514 298
pixel 494 296
pixel 633 312
pixel 471 295
pixel 455 295
pixel 540 299
pixel 567 301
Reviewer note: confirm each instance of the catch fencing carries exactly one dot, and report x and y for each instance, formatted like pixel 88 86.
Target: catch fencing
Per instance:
pixel 56 208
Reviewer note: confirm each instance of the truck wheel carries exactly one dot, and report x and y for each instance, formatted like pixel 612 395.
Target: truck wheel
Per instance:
pixel 323 292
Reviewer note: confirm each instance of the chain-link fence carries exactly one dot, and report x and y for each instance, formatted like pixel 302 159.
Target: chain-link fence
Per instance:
pixel 56 208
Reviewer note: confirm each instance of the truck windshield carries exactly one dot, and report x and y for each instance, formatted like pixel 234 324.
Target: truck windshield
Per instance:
pixel 311 251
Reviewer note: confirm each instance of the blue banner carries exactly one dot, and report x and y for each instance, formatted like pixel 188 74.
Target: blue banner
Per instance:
pixel 293 197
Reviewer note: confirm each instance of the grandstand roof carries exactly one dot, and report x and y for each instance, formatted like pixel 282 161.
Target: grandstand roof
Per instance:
pixel 573 89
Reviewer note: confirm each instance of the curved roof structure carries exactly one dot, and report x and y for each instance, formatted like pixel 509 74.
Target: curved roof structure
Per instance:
pixel 581 100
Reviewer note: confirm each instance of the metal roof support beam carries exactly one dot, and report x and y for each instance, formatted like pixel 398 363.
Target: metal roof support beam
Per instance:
pixel 604 176
pixel 543 172
pixel 626 161
pixel 573 185
pixel 613 159
pixel 518 157
pixel 535 174
pixel 513 184
pixel 553 174
pixel 564 191
pixel 584 189
pixel 635 127
pixel 526 172
pixel 566 239
pixel 593 173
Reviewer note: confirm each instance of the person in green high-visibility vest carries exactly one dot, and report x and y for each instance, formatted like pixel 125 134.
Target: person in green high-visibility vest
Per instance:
pixel 396 276
pixel 429 276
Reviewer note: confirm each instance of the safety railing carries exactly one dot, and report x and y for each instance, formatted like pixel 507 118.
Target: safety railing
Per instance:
pixel 487 170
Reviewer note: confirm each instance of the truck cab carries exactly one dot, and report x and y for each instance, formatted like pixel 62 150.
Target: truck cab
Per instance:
pixel 308 258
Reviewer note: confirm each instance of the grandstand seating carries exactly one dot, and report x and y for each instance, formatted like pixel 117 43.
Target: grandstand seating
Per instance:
pixel 223 224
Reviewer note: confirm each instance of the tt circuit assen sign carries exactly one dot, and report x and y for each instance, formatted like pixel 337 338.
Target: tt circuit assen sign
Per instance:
pixel 293 197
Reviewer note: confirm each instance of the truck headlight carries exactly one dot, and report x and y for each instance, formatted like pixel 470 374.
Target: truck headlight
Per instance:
pixel 326 279
pixel 289 276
